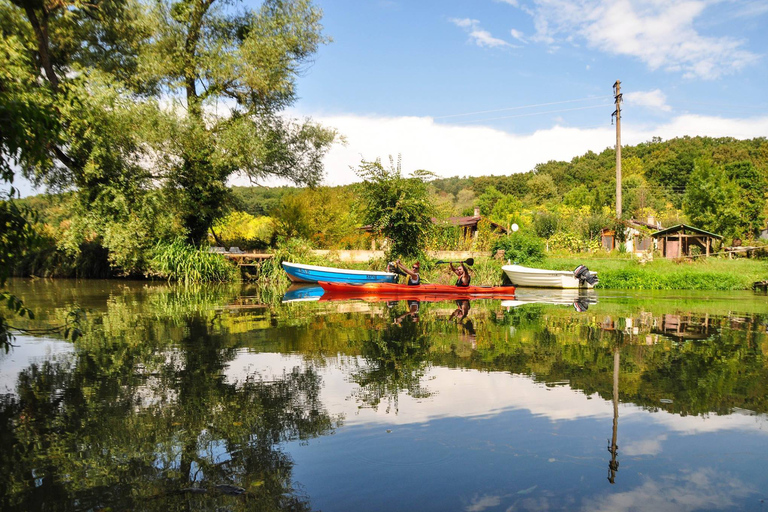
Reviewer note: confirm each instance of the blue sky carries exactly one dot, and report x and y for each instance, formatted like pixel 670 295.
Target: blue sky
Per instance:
pixel 491 87
pixel 479 87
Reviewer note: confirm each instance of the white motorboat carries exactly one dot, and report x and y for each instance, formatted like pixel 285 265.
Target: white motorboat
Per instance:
pixel 541 278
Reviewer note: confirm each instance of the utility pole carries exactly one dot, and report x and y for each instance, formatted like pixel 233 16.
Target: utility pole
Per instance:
pixel 617 114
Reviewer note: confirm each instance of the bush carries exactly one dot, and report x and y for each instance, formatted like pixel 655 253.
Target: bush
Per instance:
pixel 521 247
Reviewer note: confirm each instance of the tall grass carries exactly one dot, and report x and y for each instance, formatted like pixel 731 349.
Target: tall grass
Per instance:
pixel 664 274
pixel 179 261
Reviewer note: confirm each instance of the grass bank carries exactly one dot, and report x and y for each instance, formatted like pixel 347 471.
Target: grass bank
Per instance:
pixel 622 273
pixel 664 274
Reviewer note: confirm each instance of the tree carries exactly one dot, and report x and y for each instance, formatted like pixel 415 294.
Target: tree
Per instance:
pixel 711 199
pixel 396 206
pixel 206 55
pixel 752 198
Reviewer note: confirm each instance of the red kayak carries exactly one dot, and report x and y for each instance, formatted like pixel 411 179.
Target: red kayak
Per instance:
pixel 404 290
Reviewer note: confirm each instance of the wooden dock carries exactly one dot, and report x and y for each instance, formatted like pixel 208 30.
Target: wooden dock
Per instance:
pixel 248 259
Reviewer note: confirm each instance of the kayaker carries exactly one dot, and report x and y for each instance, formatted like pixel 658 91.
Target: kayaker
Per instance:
pixel 463 274
pixel 413 273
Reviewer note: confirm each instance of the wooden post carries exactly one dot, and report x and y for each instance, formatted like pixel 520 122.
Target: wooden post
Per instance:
pixel 617 113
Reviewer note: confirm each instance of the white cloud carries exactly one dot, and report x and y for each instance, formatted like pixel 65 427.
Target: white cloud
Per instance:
pixel 479 36
pixel 661 33
pixel 652 99
pixel 518 35
pixel 461 150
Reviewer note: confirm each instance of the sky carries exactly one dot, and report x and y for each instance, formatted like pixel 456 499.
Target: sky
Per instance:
pixel 494 87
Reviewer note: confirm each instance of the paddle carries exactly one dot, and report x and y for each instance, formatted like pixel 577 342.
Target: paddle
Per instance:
pixel 468 261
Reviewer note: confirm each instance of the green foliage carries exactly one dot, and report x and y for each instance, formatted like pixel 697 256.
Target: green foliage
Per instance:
pixel 521 247
pixel 325 215
pixel 179 261
pixel 243 230
pixel 488 200
pixel 255 59
pixel 396 206
pixel 545 224
pixel 712 199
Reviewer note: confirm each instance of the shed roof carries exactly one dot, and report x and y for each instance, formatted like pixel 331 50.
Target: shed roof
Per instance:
pixel 683 228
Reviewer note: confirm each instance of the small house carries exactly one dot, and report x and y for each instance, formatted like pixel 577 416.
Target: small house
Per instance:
pixel 681 240
pixel 637 239
pixel 469 224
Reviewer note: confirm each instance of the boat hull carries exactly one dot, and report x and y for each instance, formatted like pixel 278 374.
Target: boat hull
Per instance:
pixel 404 290
pixel 300 273
pixel 540 278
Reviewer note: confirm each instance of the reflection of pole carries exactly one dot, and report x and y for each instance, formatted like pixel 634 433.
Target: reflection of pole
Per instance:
pixel 613 466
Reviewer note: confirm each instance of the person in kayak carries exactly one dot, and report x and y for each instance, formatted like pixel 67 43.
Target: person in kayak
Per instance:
pixel 413 273
pixel 462 272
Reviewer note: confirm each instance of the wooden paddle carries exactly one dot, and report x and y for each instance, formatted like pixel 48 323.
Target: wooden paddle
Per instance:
pixel 468 261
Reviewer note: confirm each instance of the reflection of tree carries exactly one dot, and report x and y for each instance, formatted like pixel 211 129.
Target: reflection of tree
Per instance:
pixel 115 428
pixel 396 359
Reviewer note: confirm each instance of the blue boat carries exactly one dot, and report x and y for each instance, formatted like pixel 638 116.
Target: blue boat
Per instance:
pixel 299 273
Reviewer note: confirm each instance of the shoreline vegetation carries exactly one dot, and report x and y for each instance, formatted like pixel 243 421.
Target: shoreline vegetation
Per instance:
pixel 620 272
pixel 614 272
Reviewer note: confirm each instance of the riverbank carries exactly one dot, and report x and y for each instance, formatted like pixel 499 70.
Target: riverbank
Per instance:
pixel 614 273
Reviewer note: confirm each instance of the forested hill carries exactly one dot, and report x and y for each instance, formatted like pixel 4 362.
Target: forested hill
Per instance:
pixel 665 168
pixel 719 184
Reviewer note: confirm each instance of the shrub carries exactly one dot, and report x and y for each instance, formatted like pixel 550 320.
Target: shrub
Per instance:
pixel 521 247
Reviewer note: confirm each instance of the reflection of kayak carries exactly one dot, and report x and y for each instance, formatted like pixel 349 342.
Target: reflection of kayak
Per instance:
pixel 300 273
pixel 421 297
pixel 404 290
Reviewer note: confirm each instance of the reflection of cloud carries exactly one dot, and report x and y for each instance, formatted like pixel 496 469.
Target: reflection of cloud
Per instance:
pixel 474 394
pixel 699 490
pixel 480 504
pixel 643 446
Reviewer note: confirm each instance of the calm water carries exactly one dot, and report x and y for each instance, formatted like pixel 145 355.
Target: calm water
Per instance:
pixel 220 399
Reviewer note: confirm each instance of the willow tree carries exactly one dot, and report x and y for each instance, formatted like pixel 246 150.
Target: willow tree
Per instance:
pixel 230 73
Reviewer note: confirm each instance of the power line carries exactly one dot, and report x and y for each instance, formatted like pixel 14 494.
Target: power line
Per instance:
pixel 524 107
pixel 532 114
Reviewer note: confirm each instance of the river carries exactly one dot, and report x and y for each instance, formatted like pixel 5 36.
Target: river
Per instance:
pixel 230 398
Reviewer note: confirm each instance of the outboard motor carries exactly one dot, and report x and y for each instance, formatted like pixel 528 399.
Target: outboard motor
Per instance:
pixel 583 274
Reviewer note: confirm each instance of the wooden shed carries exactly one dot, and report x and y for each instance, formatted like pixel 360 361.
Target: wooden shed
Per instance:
pixel 678 241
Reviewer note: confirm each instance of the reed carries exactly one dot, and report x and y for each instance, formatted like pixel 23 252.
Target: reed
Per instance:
pixel 179 261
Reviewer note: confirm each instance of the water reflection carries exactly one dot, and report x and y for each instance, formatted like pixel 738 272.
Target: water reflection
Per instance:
pixel 580 299
pixel 226 399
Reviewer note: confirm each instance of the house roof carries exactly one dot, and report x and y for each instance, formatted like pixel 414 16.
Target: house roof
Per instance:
pixel 645 224
pixel 459 221
pixel 468 222
pixel 684 228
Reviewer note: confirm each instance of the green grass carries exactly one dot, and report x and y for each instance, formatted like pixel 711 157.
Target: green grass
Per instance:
pixel 664 274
